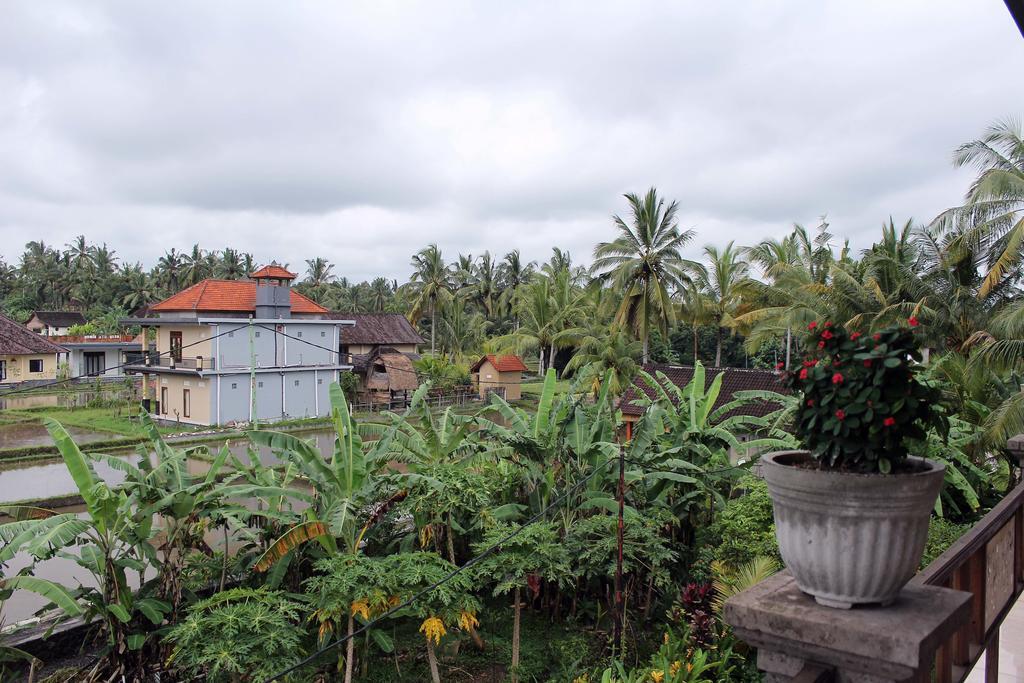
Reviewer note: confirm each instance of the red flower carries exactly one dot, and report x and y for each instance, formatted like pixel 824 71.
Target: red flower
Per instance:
pixel 913 321
pixel 828 323
pixel 877 337
pixel 810 363
pixel 814 323
pixel 780 365
pixel 867 362
pixel 854 336
pixel 889 421
pixel 821 345
pixel 810 403
pixel 840 415
pixel 803 374
pixel 827 335
pixel 837 378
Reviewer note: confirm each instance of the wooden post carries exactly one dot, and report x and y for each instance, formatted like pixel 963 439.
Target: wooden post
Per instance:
pixel 992 658
pixel 619 608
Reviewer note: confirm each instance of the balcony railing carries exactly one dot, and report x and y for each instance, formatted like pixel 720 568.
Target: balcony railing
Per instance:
pixel 184 363
pixel 92 338
pixel 988 563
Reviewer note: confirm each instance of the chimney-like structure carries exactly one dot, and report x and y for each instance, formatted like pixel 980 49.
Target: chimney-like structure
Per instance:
pixel 273 291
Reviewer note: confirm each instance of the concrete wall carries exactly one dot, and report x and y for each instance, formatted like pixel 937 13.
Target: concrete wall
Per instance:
pixel 489 378
pixel 196 335
pixel 18 367
pixel 112 360
pixel 277 395
pixel 173 409
pixel 274 350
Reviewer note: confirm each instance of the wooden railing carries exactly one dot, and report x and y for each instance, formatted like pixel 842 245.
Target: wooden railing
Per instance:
pixel 988 562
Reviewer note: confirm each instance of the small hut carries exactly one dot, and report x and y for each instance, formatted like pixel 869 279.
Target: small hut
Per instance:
pixel 499 373
pixel 387 377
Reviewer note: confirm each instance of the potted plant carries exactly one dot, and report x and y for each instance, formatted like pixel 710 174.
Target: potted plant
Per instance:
pixel 852 510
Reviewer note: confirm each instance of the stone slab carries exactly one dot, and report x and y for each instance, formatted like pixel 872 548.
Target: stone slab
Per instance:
pixel 890 642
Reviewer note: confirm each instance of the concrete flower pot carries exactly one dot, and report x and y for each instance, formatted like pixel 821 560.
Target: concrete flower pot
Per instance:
pixel 850 539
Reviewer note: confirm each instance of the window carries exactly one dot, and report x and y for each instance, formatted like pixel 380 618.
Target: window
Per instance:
pixel 35 365
pixel 176 345
pixel 259 384
pixel 257 333
pixel 319 381
pixel 186 403
pixel 163 400
pixel 300 333
pixel 231 334
pixel 296 382
pixel 323 333
pixel 95 362
pixel 234 385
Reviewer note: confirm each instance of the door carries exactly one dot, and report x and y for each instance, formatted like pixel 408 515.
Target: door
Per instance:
pixel 95 362
pixel 163 400
pixel 186 403
pixel 3 370
pixel 176 346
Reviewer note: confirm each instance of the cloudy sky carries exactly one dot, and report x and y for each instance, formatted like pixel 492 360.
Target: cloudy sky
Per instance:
pixel 362 131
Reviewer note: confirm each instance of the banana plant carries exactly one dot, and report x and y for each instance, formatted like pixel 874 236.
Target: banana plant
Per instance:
pixel 110 539
pixel 57 595
pixel 345 483
pixel 686 460
pixel 442 457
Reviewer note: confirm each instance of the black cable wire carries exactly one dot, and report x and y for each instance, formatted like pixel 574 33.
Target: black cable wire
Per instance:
pixel 114 367
pixel 441 582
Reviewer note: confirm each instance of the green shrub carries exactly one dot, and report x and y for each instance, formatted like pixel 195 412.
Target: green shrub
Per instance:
pixel 239 635
pixel 743 530
pixel 942 533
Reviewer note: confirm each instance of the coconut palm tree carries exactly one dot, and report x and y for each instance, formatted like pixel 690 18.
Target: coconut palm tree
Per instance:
pixel 195 265
pixel 318 276
pixel 991 220
pixel 231 266
pixel 646 264
pixel 603 352
pixel 723 283
pixel 381 294
pixel 514 274
pixel 432 284
pixel 170 267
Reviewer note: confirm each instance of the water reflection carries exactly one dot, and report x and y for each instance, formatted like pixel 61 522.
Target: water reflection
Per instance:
pixel 22 434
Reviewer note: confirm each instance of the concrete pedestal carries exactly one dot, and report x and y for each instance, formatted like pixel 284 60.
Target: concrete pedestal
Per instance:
pixel 862 645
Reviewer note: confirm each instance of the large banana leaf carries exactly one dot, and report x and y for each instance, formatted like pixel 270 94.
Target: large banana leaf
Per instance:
pixel 53 592
pixel 292 538
pixel 79 468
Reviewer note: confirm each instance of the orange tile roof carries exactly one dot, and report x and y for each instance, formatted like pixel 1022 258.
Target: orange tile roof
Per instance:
pixel 502 363
pixel 211 296
pixel 274 270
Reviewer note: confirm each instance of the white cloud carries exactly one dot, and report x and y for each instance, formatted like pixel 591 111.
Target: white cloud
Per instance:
pixel 363 131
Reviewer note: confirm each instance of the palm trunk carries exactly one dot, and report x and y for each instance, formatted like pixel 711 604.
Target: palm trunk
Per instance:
pixel 646 345
pixel 350 649
pixel 718 347
pixel 515 638
pixel 695 344
pixel 432 658
pixel 551 355
pixel 433 326
pixel 789 344
pixel 450 542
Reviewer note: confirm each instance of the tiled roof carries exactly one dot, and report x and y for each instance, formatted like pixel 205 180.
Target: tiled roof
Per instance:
pixel 502 363
pixel 59 318
pixel 227 295
pixel 274 270
pixel 735 379
pixel 377 328
pixel 16 339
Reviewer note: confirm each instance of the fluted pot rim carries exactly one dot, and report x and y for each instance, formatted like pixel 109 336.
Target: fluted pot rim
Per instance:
pixel 771 460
